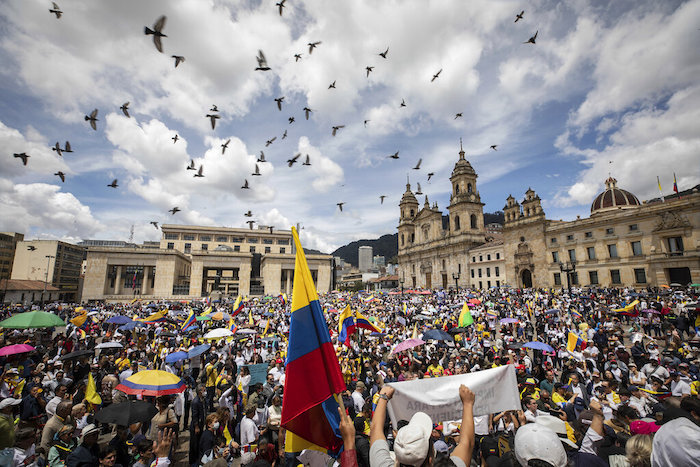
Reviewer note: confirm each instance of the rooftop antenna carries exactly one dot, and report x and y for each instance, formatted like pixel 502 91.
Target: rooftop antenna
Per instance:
pixel 460 144
pixel 131 234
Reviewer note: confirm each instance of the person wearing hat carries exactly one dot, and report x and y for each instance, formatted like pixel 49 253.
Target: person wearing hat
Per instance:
pixel 87 452
pixel 680 385
pixel 25 449
pixel 413 444
pixel 7 422
pixel 62 445
pixel 654 368
pixel 358 397
pixel 639 400
pixel 535 442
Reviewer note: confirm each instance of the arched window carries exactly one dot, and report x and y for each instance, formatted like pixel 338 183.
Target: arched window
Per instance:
pixel 412 212
pixel 402 239
pixel 469 187
pixel 456 222
pixel 456 189
pixel 472 219
pixel 413 238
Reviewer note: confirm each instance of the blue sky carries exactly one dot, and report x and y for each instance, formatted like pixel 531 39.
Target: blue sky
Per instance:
pixel 609 87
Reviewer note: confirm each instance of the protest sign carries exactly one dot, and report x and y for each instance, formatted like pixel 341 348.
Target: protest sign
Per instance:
pixel 258 373
pixel 496 390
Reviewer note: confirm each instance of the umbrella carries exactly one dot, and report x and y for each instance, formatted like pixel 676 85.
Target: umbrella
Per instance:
pixel 32 320
pixel 475 301
pixel 407 344
pixel 538 346
pixel 203 318
pixel 132 325
pixel 457 330
pixel 119 319
pixel 197 351
pixel 109 345
pixel 167 334
pixel 651 310
pixel 218 333
pixel 127 413
pixel 270 339
pixel 15 349
pixel 77 354
pixel 247 331
pixel 437 335
pixel 552 311
pixel 508 321
pixel 220 315
pixel 152 383
pixel 676 284
pixel 175 357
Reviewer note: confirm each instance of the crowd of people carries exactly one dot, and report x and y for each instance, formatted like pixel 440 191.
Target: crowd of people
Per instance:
pixel 614 380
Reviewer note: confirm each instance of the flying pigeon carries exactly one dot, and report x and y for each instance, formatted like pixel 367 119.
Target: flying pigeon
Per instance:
pixel 365 123
pixel 57 148
pixel 250 224
pixel 262 157
pixel 175 138
pixel 67 147
pixel 225 146
pixel 61 175
pixel 257 171
pixel 383 54
pixel 291 120
pixel 200 171
pixel 395 155
pixel 213 118
pixel 270 141
pixel 336 128
pixel 458 115
pixel 248 214
pixel 279 102
pixel 532 39
pixel 92 119
pixel 308 160
pixel 281 5
pixel 381 199
pixel 340 205
pixel 403 103
pixel 191 166
pixel 154 224
pixel 214 108
pixel 113 184
pixel 519 17
pixel 178 59
pixel 23 156
pixel 494 146
pixel 262 62
pixel 284 135
pixel 56 10
pixel 430 175
pixel 307 111
pixel 297 57
pixel 245 185
pixel 157 32
pixel 369 70
pixel 290 162
pixel 125 109
pixel 174 210
pixel 312 46
pixel 332 85
pixel 31 247
pixel 418 191
pixel 435 76
pixel 417 167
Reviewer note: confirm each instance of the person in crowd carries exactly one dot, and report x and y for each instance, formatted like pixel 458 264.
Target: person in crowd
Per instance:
pixel 63 444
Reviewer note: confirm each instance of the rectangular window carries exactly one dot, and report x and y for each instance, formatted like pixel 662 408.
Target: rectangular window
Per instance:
pixel 479 272
pixel 267 241
pixel 498 283
pixel 188 247
pixel 569 237
pixel 268 249
pixel 222 238
pixel 634 227
pixel 498 256
pixel 609 231
pixel 552 240
pixel 481 258
pixel 555 256
pixel 205 247
pixel 573 277
pixel 205 238
pixel 496 271
pixel 488 284
pixel 572 255
pixel 481 285
pixel 557 278
pixel 675 246
pixel 593 277
pixel 282 241
pixel 237 248
pixel 252 249
pixel 171 246
pixel 472 273
pixel 488 257
pixel 473 259
pixel 640 276
pixel 589 234
pixel 590 251
pixel 172 236
pixel 615 276
pixel 252 240
pixel 237 239
pixel 282 250
pixel 188 237
pixel 488 272
pixel 637 248
pixel 612 250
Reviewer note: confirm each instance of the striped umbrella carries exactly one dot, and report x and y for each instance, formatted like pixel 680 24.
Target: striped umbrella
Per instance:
pixel 152 383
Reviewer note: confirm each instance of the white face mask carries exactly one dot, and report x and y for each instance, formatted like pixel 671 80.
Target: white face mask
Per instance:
pixel 216 425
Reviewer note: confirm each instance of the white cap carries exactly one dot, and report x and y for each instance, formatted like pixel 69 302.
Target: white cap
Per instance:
pixel 676 443
pixel 412 441
pixel 534 441
pixel 558 426
pixel 9 401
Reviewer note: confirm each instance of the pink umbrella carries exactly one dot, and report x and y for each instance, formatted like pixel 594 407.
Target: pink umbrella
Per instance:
pixel 508 321
pixel 651 310
pixel 15 349
pixel 407 344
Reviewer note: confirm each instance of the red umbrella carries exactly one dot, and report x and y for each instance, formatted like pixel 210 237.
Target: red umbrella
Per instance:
pixel 15 349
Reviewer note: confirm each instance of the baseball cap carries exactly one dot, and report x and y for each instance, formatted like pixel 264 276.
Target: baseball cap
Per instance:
pixel 441 446
pixel 534 441
pixel 9 401
pixel 558 426
pixel 412 441
pixel 135 440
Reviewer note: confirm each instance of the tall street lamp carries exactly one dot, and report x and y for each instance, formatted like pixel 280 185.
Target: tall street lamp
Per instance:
pixel 568 268
pixel 46 278
pixel 455 276
pixel 401 282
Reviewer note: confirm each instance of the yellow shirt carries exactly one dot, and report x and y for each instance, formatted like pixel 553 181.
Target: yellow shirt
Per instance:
pixel 211 375
pixel 558 398
pixel 122 363
pixel 436 370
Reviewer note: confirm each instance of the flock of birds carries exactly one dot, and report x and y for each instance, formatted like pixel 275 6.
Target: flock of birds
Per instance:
pixel 156 31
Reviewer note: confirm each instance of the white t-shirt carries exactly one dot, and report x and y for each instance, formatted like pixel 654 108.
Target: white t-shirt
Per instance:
pixel 249 431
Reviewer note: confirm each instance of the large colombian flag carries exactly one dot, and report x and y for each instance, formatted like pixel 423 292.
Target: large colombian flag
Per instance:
pixel 364 323
pixel 309 409
pixel 346 326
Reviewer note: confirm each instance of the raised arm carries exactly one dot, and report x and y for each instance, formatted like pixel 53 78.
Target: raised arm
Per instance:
pixel 464 449
pixel 376 431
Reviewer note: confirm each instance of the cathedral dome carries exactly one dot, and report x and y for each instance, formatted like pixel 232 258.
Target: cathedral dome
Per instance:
pixel 462 167
pixel 408 196
pixel 613 198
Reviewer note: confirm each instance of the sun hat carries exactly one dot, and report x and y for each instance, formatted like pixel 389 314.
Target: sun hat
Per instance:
pixel 534 441
pixel 412 441
pixel 88 430
pixel 9 401
pixel 676 443
pixel 558 426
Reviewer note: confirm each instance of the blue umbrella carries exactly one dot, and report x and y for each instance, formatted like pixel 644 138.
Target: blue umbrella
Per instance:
pixel 175 356
pixel 436 334
pixel 130 326
pixel 197 351
pixel 538 346
pixel 552 311
pixel 119 319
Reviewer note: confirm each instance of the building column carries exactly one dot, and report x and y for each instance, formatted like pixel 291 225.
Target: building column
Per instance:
pixel 286 285
pixel 118 282
pixel 146 280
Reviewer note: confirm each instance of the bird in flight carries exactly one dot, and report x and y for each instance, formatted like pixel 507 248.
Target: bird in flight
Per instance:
pixel 56 10
pixel 225 146
pixel 271 227
pixel 395 155
pixel 175 138
pixel 262 157
pixel 312 46
pixel 31 248
pixel 365 123
pixel 383 54
pixel 154 224
pixel 279 102
pixel 92 119
pixel 61 175
pixel 417 167
pixel 307 111
pixel 174 210
pixel 23 156
pixel 200 172
pixel 332 85
pixel 157 32
pixel 212 118
pixel 494 146
pixel 214 108
pixel 519 17
pixel 250 224
pixel 284 135
pixel 430 175
pixel 257 171
pixel 248 214
pixel 191 166
pixel 308 160
pixel 178 59
pixel 340 205
pixel 336 128
pixel 297 57
pixel 57 148
pixel 67 147
pixel 291 120
pixel 125 109
pixel 290 162
pixel 381 199
pixel 262 62
pixel 245 185
pixel 369 70
pixel 113 184
pixel 418 191
pixel 270 141
pixel 458 115
pixel 280 5
pixel 532 39
pixel 435 76
pixel 403 103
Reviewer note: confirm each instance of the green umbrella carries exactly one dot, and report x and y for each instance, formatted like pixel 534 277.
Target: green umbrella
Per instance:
pixel 31 320
pixel 695 285
pixel 203 318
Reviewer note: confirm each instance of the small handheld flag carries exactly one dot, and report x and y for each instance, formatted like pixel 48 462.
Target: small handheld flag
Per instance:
pixel 364 323
pixel 465 317
pixel 237 306
pixel 191 319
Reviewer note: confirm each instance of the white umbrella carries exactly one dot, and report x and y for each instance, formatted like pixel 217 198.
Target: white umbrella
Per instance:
pixel 218 333
pixel 246 331
pixel 109 345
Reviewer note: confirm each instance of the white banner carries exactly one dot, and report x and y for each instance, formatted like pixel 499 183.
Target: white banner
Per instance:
pixel 496 390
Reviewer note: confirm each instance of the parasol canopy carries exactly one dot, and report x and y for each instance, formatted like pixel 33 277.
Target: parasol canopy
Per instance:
pixel 437 335
pixel 119 319
pixel 32 320
pixel 535 345
pixel 127 413
pixel 109 345
pixel 197 351
pixel 218 333
pixel 508 321
pixel 176 357
pixel 152 383
pixel 407 344
pixel 15 349
pixel 77 354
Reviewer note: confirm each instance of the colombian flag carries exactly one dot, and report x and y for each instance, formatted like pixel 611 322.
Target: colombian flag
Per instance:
pixel 575 313
pixel 675 185
pixel 232 326
pixel 237 306
pixel 309 409
pixel 628 310
pixel 364 323
pixel 283 299
pixel 465 317
pixel 346 326
pixel 155 317
pixel 369 299
pixel 575 341
pixel 191 319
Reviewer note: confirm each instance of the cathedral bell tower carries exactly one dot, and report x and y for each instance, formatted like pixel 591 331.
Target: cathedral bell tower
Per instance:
pixel 466 208
pixel 409 210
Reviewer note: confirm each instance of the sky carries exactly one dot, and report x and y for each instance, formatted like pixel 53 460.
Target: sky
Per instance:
pixel 607 88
